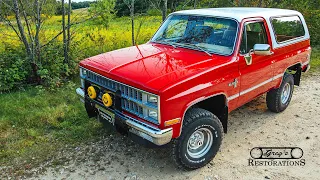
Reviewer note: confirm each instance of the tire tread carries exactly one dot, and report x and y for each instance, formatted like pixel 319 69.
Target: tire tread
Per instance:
pixel 274 96
pixel 191 116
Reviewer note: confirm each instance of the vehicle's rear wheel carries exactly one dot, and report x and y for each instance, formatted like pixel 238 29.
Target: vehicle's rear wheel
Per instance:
pixel 200 139
pixel 279 99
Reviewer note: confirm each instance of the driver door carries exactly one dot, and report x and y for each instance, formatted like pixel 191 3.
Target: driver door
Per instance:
pixel 255 77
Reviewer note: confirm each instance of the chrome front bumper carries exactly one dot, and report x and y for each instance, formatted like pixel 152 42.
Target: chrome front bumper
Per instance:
pixel 145 131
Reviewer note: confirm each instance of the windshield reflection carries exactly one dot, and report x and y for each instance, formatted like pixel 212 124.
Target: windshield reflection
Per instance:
pixel 207 34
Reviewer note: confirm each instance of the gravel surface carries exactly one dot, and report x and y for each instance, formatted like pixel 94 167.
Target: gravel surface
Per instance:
pixel 117 157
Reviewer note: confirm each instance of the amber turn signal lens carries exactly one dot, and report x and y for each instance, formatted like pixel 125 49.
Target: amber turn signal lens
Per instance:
pixel 92 92
pixel 107 100
pixel 172 122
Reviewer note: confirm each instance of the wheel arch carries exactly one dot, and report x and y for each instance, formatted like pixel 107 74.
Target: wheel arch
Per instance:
pixel 216 104
pixel 295 70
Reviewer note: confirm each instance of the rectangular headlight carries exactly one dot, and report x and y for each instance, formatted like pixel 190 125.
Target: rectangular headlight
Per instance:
pixel 152 99
pixel 153 114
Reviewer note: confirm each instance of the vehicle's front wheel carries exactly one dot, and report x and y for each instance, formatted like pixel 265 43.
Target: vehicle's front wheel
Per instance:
pixel 279 99
pixel 200 139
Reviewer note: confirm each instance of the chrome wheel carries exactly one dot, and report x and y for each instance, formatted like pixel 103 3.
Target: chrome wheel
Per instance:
pixel 285 93
pixel 199 143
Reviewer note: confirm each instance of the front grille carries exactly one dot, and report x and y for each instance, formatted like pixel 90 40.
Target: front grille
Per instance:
pixel 126 91
pixel 133 100
pixel 132 107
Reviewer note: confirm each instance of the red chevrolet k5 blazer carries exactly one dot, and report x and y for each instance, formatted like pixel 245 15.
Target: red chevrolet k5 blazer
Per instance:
pixel 179 87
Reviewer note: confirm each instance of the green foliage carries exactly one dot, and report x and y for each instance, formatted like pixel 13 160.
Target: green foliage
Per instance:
pixel 89 39
pixel 49 8
pixel 104 9
pixel 94 39
pixel 13 68
pixel 140 7
pixel 312 18
pixel 52 69
pixel 59 9
pixel 154 12
pixel 79 5
pixel 315 59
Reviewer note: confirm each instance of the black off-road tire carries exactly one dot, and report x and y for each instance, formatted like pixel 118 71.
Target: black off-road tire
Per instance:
pixel 274 102
pixel 197 119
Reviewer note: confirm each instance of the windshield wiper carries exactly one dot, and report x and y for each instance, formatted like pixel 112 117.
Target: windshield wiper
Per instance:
pixel 199 48
pixel 166 42
pixel 171 43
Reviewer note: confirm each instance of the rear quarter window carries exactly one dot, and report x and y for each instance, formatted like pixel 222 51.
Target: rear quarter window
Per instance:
pixel 287 28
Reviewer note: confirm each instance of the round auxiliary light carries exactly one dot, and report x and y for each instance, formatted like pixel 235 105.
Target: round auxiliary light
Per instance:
pixel 107 99
pixel 92 92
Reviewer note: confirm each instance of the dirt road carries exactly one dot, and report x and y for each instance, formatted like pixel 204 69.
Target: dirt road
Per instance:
pixel 116 157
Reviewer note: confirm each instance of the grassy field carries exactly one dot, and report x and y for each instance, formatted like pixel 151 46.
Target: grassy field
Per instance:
pixel 315 59
pixel 36 122
pixel 89 37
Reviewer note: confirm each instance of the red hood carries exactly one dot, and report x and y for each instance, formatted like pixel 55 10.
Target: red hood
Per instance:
pixel 151 66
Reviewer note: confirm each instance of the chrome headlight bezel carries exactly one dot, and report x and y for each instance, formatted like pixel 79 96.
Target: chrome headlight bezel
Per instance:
pixel 151 104
pixel 83 73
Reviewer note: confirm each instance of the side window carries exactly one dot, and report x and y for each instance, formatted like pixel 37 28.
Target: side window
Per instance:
pixel 254 33
pixel 287 28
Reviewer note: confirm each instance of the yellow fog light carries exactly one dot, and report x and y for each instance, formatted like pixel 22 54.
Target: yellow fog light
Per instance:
pixel 107 100
pixel 92 92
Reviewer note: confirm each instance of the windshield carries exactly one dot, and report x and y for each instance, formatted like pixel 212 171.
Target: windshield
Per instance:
pixel 208 34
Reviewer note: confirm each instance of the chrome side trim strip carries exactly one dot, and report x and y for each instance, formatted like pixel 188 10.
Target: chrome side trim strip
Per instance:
pixel 277 76
pixel 254 87
pixel 233 97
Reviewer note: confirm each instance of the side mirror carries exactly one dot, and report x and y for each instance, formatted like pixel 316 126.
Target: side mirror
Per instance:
pixel 262 49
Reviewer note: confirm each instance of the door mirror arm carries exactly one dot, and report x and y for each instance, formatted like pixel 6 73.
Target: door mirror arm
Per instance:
pixel 248 57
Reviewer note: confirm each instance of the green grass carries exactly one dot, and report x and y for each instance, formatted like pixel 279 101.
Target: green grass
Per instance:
pixel 35 123
pixel 315 59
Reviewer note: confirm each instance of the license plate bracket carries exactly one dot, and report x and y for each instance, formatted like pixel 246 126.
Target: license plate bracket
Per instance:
pixel 106 114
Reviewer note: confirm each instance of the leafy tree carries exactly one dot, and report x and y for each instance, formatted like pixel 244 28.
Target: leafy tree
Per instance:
pixel 79 5
pixel 104 9
pixel 59 9
pixel 29 16
pixel 140 6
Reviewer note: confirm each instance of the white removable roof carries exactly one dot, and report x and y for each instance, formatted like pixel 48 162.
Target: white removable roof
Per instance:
pixel 240 13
